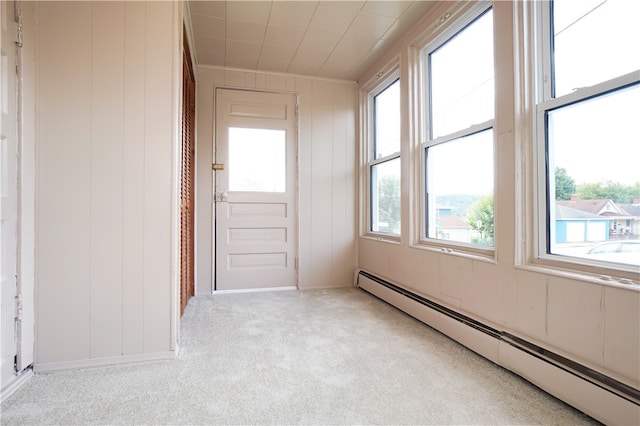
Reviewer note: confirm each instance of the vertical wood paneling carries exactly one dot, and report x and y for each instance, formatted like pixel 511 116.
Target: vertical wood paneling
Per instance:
pixel 250 80
pixel 622 332
pixel 481 299
pixel 106 107
pixel 159 140
pixel 133 184
pixel 322 183
pixel 531 297
pixel 291 84
pixel 276 82
pixel 204 178
pixel 107 94
pixel 304 87
pixel 63 186
pixel 234 78
pixel 575 318
pixel 261 81
pixel 343 163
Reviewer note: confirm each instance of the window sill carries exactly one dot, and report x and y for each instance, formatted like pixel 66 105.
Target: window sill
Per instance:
pixel 482 255
pixel 606 277
pixel 382 238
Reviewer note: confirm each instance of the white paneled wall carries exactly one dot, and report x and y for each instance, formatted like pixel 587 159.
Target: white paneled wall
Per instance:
pixel 107 107
pixel 326 155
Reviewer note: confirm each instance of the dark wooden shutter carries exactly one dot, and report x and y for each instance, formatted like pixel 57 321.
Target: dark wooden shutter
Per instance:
pixel 187 179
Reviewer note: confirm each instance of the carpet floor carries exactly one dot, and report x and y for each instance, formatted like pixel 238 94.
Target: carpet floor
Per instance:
pixel 338 356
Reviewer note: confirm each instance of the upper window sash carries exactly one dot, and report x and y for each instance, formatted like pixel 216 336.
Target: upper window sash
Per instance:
pixel 379 89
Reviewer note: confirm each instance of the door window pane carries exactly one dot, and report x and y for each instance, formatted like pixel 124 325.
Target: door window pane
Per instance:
pixel 257 160
pixel 385 197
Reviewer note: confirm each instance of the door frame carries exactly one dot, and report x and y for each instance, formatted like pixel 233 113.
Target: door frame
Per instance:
pixel 26 195
pixel 296 201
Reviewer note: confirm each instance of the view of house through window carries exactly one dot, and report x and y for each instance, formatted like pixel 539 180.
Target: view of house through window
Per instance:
pixel 459 165
pixel 385 165
pixel 591 130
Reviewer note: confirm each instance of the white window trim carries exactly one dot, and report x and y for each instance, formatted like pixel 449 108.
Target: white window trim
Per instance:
pixel 533 80
pixel 380 82
pixel 421 50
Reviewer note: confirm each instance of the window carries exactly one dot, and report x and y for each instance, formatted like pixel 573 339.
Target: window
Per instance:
pixel 588 132
pixel 257 160
pixel 384 158
pixel 458 150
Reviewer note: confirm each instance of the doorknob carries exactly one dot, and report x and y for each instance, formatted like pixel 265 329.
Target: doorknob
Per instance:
pixel 221 196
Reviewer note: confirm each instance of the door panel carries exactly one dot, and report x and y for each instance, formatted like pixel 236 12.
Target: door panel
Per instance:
pixel 255 228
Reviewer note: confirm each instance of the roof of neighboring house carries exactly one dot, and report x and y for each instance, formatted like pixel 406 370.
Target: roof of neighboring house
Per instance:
pixel 563 212
pixel 603 207
pixel 632 209
pixel 451 222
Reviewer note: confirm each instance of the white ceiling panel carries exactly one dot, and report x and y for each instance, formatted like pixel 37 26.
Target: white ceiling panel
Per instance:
pixel 326 38
pixel 275 53
pixel 317 45
pixel 370 26
pixel 209 8
pixel 303 68
pixel 236 50
pixel 286 37
pixel 244 31
pixel 254 12
pixel 394 9
pixel 275 66
pixel 329 17
pixel 207 26
pixel 292 14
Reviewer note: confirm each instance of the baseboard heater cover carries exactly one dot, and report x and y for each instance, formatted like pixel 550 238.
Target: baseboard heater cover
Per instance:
pixel 584 373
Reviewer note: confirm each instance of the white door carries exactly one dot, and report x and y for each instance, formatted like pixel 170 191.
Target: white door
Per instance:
pixel 8 192
pixel 255 190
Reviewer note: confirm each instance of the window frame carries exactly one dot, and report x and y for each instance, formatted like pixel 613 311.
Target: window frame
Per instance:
pixel 423 117
pixel 381 81
pixel 542 103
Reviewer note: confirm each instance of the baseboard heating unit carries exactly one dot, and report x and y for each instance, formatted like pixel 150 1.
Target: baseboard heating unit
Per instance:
pixel 601 397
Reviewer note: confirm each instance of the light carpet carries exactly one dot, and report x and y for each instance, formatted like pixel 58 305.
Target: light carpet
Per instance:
pixel 337 356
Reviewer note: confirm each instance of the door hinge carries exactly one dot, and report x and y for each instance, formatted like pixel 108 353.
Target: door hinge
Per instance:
pixel 296 263
pixel 19 36
pixel 19 307
pixel 17 33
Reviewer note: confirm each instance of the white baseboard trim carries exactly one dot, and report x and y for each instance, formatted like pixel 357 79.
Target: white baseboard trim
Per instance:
pixel 254 290
pixel 16 384
pixel 593 400
pixel 50 367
